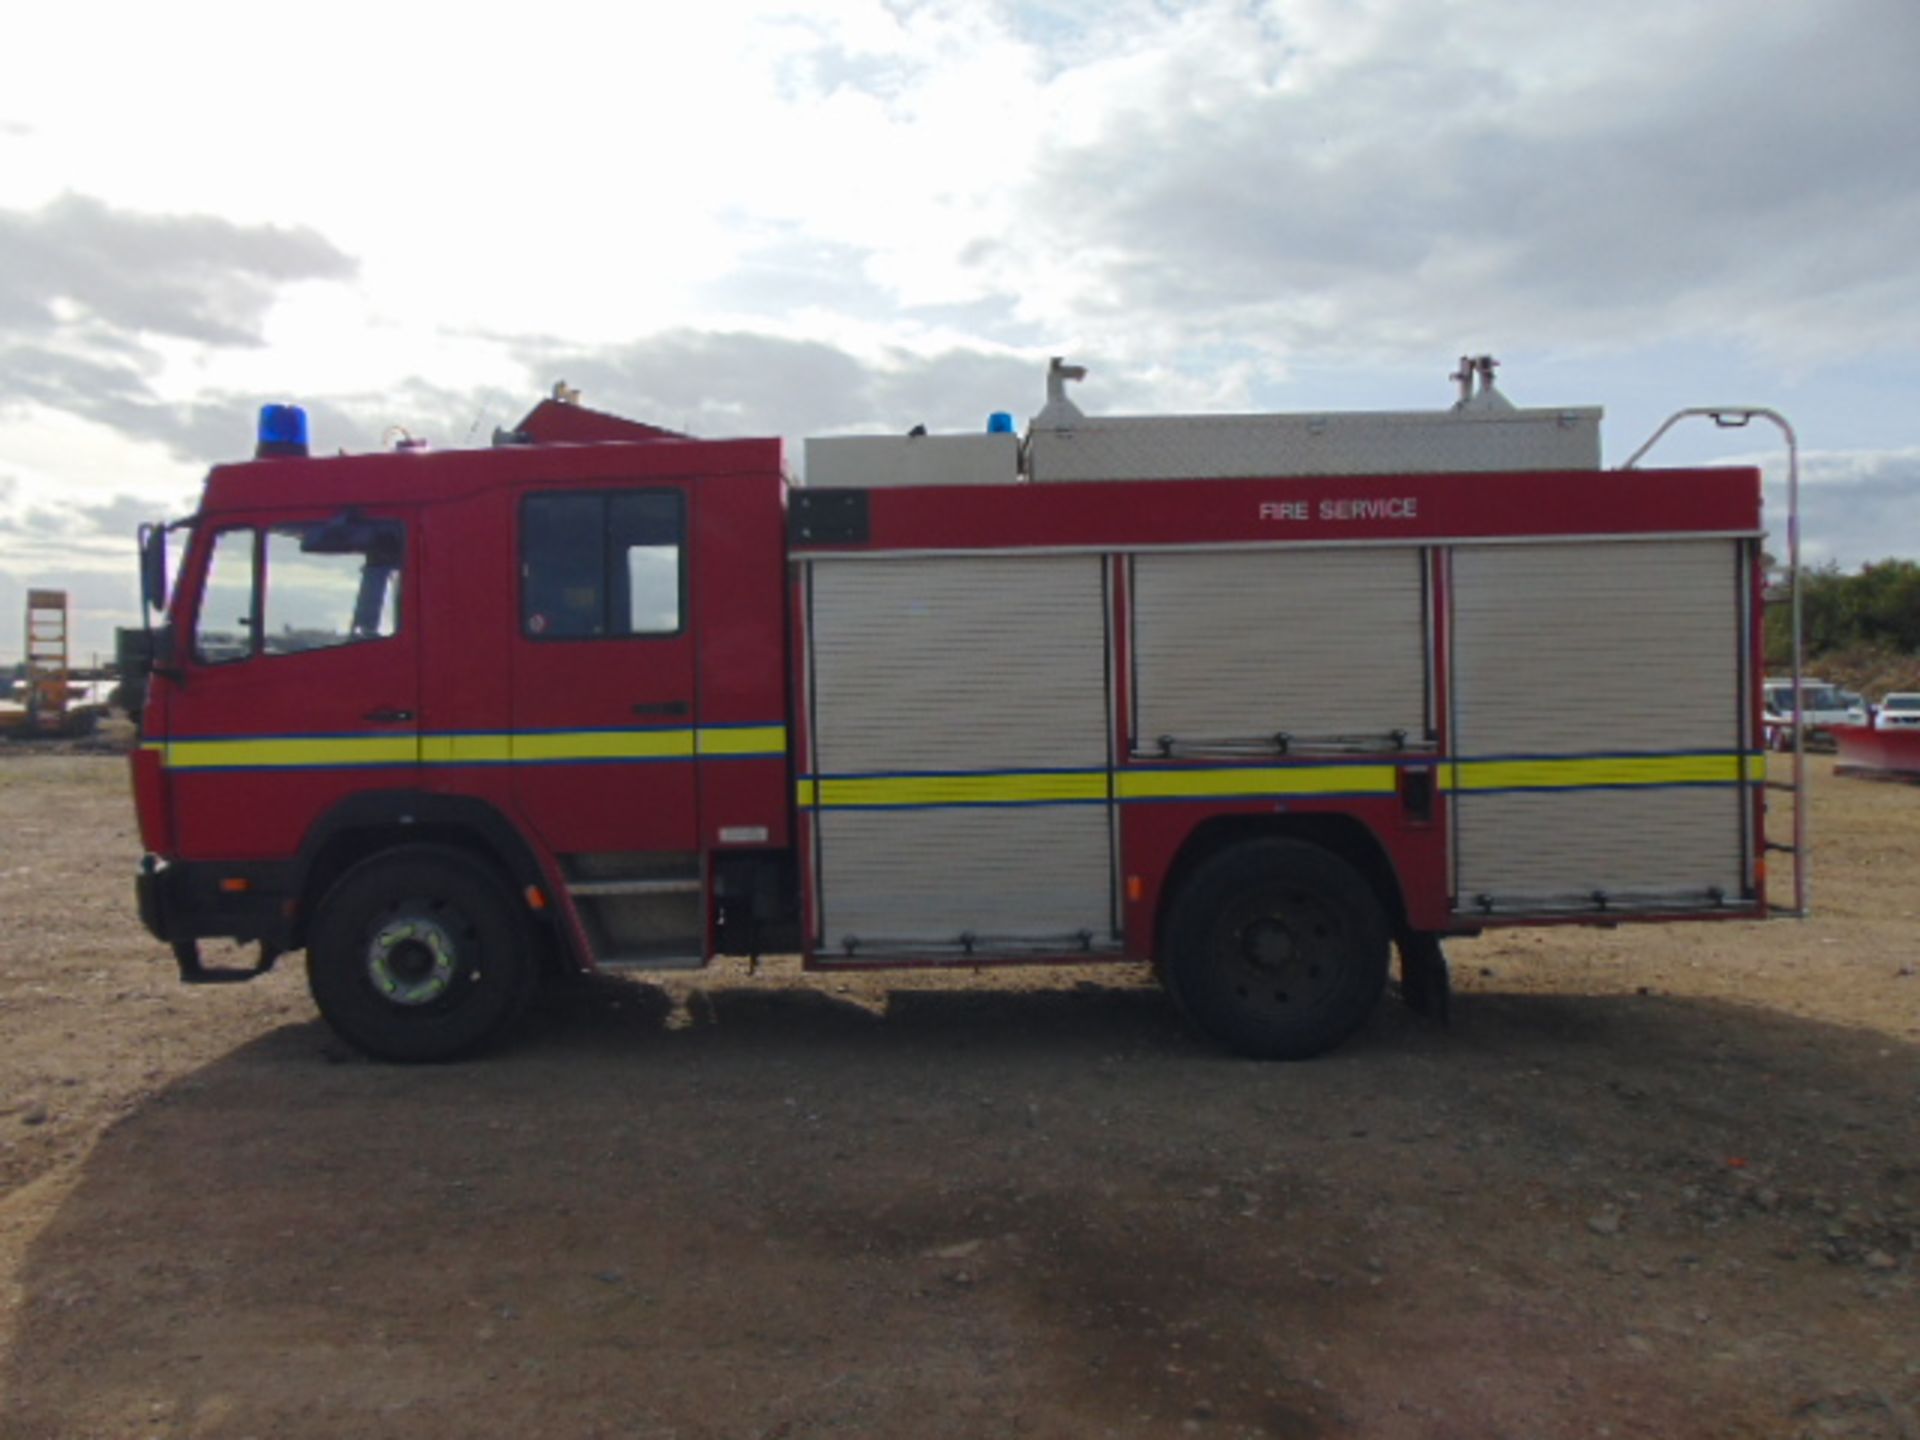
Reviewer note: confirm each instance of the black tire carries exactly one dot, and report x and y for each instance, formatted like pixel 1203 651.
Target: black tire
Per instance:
pixel 419 954
pixel 1277 949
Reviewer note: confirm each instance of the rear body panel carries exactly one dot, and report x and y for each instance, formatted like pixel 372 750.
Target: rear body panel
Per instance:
pixel 1024 706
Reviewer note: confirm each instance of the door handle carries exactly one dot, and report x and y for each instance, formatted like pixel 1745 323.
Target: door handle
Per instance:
pixel 661 707
pixel 387 715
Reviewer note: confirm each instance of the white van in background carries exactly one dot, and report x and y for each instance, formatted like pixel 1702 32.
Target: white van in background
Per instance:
pixel 1822 706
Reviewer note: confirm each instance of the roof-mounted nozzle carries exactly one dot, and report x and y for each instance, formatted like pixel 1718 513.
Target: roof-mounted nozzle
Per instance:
pixel 1487 397
pixel 1060 413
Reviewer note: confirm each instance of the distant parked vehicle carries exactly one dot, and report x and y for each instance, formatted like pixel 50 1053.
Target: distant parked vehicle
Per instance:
pixel 1822 706
pixel 1898 711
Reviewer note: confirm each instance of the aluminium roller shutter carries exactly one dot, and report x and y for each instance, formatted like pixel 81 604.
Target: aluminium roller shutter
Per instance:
pixel 1580 651
pixel 969 666
pixel 1311 642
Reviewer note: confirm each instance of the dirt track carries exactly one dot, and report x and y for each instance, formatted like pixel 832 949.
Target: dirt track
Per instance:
pixel 1659 1182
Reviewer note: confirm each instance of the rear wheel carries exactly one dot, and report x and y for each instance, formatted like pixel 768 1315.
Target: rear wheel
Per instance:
pixel 1277 949
pixel 419 954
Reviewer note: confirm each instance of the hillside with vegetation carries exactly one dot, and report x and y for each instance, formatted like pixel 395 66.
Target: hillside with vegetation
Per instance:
pixel 1862 630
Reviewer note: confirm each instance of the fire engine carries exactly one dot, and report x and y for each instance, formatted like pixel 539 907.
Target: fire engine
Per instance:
pixel 1253 699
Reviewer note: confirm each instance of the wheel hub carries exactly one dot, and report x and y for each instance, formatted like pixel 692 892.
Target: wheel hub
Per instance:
pixel 1269 944
pixel 1283 956
pixel 411 961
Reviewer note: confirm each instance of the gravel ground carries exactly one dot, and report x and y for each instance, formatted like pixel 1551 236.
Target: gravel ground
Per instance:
pixel 1652 1182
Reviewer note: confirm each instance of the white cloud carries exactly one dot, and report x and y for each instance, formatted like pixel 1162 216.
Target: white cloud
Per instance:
pixel 776 214
pixel 1856 507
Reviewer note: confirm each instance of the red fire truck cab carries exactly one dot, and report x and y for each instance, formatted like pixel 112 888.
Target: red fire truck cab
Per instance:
pixel 1250 698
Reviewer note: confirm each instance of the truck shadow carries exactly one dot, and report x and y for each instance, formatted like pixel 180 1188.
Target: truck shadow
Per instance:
pixel 756 1211
pixel 607 1015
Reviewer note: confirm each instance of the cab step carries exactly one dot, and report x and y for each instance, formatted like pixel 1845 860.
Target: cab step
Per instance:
pixel 641 911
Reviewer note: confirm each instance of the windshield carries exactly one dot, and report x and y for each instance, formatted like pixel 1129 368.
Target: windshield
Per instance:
pixel 1901 702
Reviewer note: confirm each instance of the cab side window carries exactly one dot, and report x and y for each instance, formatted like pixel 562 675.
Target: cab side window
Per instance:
pixel 330 584
pixel 224 625
pixel 606 564
pixel 299 587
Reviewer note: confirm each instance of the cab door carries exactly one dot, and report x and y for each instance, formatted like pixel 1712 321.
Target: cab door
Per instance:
pixel 299 680
pixel 604 707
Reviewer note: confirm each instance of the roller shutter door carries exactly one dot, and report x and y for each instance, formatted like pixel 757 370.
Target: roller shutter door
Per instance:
pixel 1573 653
pixel 972 667
pixel 1310 642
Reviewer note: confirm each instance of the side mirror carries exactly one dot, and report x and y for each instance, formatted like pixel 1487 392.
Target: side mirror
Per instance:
pixel 153 567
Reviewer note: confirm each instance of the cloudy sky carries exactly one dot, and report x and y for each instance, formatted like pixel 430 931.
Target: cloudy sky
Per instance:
pixel 754 218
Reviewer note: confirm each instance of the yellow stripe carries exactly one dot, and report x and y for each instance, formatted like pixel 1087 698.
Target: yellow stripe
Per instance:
pixel 1197 783
pixel 1177 782
pixel 465 749
pixel 829 792
pixel 487 749
pixel 743 740
pixel 990 789
pixel 1612 770
pixel 293 754
pixel 604 745
pixel 1263 780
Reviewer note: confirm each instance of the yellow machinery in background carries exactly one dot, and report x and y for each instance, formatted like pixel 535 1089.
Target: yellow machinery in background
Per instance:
pixel 47 695
pixel 47 681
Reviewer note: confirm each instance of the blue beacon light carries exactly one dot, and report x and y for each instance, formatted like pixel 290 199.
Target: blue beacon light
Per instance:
pixel 1000 423
pixel 283 433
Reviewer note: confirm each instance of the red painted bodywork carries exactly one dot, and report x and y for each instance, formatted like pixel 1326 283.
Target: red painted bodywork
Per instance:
pixel 461 664
pixel 150 801
pixel 1152 836
pixel 555 422
pixel 225 814
pixel 1133 514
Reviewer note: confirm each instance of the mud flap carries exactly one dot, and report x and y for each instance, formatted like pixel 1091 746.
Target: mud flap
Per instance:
pixel 1426 988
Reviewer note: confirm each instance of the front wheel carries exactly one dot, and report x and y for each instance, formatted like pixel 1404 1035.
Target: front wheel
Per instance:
pixel 1277 949
pixel 418 954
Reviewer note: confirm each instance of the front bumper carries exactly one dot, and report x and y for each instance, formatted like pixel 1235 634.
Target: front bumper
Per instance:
pixel 189 900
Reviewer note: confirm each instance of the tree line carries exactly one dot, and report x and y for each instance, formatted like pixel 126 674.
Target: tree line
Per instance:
pixel 1879 608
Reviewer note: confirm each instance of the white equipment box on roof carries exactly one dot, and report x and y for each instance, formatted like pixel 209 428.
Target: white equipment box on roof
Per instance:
pixel 1484 431
pixel 867 462
pixel 1383 443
